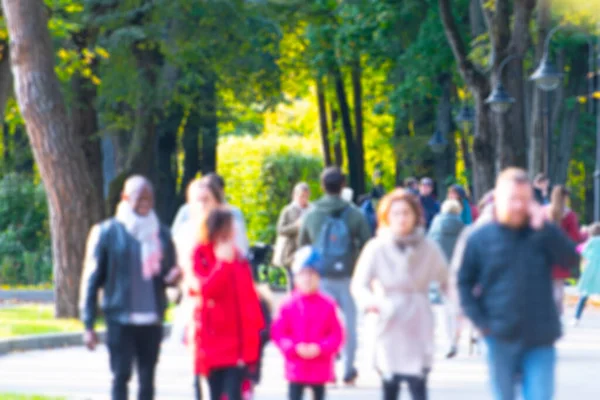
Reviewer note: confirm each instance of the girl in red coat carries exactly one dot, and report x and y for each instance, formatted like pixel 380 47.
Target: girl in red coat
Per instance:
pixel 559 213
pixel 228 317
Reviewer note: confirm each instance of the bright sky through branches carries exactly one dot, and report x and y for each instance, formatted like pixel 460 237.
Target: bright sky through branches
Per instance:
pixel 584 13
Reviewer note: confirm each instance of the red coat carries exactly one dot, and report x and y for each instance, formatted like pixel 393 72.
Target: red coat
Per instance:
pixel 228 318
pixel 570 226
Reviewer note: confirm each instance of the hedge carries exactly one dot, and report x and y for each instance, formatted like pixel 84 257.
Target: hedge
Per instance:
pixel 260 173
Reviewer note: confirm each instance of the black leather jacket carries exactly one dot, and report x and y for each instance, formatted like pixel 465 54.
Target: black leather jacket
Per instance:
pixel 108 264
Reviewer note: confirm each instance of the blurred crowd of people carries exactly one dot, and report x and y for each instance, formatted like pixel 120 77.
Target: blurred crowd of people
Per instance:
pixel 499 268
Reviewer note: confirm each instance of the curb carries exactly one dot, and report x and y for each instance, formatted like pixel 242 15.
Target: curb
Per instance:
pixel 32 296
pixel 53 340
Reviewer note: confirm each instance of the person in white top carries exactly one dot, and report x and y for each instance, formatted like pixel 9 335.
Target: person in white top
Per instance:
pixel 183 215
pixel 203 196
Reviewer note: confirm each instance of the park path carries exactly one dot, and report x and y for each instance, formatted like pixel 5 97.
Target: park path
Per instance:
pixel 79 374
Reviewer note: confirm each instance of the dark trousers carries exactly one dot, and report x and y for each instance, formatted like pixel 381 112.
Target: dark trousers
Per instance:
pixel 128 344
pixel 226 381
pixel 297 391
pixel 197 388
pixel 581 306
pixel 417 387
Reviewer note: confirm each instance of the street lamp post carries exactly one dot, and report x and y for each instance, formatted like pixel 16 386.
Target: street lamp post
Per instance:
pixel 499 100
pixel 547 78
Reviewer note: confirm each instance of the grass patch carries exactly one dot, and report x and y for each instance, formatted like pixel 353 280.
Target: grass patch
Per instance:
pixel 34 320
pixel 8 396
pixel 41 286
pixel 39 319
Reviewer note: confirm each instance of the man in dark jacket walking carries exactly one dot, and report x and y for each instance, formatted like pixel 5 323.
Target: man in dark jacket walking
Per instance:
pixel 431 206
pixel 132 258
pixel 505 286
pixel 320 226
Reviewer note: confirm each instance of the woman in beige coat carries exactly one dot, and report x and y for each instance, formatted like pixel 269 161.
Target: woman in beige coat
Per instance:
pixel 288 227
pixel 392 279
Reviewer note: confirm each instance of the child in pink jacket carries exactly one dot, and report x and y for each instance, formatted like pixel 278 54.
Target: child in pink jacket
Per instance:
pixel 308 331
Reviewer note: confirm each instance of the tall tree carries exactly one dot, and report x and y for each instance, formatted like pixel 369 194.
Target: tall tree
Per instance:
pixel 357 92
pixel 72 197
pixel 351 154
pixel 323 123
pixel 536 134
pixel 484 141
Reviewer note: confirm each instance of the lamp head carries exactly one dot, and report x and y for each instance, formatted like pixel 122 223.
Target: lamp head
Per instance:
pixel 499 100
pixel 547 77
pixel 438 142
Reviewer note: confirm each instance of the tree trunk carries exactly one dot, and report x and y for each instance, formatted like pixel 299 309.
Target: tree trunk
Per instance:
pixel 399 132
pixel 142 149
pixel 536 144
pixel 342 98
pixel 484 142
pixel 512 138
pixel 191 149
pixel 167 200
pixel 6 79
pixel 446 127
pixel 6 90
pixel 512 141
pixel 208 124
pixel 357 91
pixel 84 120
pixel 72 197
pixel 464 148
pixel 337 138
pixel 569 112
pixel 476 19
pixel 484 166
pixel 323 124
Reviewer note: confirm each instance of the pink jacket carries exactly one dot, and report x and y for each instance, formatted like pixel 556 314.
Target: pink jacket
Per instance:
pixel 308 319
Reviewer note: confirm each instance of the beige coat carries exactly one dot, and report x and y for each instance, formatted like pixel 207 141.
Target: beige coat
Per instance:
pixel 396 281
pixel 287 235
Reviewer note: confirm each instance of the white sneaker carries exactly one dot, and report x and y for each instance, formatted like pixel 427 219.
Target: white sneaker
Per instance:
pixel 574 322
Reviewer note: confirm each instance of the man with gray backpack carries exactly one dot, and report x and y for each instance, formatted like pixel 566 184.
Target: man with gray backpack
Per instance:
pixel 338 231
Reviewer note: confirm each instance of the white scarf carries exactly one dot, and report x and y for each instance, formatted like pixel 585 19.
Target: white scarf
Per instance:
pixel 146 230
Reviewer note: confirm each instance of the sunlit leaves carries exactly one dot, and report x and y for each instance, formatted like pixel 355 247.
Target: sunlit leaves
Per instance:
pixel 72 61
pixel 583 13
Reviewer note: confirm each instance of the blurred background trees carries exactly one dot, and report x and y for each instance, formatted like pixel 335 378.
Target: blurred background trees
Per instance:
pixel 267 92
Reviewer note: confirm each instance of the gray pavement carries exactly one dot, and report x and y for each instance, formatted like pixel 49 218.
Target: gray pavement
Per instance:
pixel 78 374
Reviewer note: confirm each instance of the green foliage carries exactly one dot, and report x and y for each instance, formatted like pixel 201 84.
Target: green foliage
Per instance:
pixel 24 232
pixel 12 396
pixel 260 175
pixel 279 173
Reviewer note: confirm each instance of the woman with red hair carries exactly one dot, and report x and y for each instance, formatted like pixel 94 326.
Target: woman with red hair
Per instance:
pixel 228 318
pixel 392 279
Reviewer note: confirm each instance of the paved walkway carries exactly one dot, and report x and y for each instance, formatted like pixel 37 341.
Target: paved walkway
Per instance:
pixel 79 374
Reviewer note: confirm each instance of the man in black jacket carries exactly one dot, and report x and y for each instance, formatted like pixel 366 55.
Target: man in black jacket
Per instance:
pixel 431 206
pixel 505 285
pixel 131 257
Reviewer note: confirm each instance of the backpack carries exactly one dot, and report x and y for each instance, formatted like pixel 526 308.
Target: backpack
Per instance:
pixel 334 245
pixel 368 211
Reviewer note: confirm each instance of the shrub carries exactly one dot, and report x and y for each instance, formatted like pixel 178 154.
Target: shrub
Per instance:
pixel 24 232
pixel 260 174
